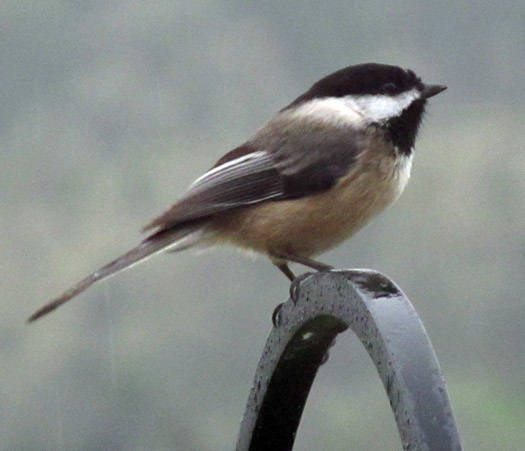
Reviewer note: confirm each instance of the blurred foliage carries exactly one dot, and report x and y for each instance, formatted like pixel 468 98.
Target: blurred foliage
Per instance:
pixel 110 109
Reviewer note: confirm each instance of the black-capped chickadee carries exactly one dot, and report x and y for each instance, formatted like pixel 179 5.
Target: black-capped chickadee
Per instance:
pixel 314 175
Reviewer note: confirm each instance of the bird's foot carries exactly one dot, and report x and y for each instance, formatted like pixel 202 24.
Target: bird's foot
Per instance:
pixel 294 286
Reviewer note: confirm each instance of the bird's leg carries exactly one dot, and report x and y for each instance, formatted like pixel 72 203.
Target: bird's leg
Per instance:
pixel 286 270
pixel 288 256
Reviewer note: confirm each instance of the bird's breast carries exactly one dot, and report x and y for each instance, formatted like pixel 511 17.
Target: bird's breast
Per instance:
pixel 313 224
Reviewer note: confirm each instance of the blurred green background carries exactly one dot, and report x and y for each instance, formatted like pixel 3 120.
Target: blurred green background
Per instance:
pixel 109 109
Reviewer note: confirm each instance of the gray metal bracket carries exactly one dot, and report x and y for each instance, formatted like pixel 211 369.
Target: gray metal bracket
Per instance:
pixel 322 305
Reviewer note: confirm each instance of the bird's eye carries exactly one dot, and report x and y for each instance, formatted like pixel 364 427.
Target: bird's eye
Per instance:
pixel 389 88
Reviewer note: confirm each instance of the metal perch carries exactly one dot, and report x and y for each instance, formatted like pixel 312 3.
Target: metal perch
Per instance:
pixel 322 305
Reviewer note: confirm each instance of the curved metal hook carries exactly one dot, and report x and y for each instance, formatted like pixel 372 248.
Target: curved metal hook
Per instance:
pixel 323 305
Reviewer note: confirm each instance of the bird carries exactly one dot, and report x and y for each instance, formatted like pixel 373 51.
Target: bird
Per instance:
pixel 314 175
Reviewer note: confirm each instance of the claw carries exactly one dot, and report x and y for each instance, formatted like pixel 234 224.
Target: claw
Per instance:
pixel 294 286
pixel 276 317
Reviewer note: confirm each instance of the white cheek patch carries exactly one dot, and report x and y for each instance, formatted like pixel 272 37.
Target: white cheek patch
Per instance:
pixel 381 107
pixel 333 110
pixel 355 110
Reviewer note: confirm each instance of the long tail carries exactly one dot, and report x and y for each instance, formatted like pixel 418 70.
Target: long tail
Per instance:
pixel 175 240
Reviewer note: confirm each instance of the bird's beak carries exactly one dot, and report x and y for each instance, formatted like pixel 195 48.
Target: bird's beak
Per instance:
pixel 432 90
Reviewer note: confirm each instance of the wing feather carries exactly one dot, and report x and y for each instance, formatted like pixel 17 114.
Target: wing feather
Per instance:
pixel 245 180
pixel 296 162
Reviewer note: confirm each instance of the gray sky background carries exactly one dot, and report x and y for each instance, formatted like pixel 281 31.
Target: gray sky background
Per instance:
pixel 108 111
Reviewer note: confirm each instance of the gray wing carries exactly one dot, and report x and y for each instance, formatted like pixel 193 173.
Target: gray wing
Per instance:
pixel 241 181
pixel 295 167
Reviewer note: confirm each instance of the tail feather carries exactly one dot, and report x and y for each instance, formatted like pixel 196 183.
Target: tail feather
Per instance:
pixel 169 239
